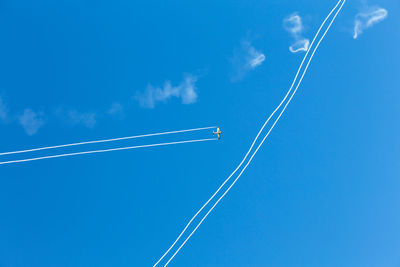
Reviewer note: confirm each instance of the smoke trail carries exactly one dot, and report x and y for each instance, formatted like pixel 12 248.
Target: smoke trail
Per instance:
pixel 105 150
pixel 104 141
pixel 256 138
pixel 251 158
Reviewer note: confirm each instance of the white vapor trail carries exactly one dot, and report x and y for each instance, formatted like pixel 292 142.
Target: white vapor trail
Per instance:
pixel 304 72
pixel 251 158
pixel 106 150
pixel 104 140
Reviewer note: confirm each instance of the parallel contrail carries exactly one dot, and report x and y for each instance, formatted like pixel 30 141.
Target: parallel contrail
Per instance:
pixel 106 150
pixel 105 140
pixel 251 147
pixel 256 137
pixel 251 158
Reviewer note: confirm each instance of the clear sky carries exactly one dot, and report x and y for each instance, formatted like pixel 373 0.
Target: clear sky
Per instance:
pixel 323 191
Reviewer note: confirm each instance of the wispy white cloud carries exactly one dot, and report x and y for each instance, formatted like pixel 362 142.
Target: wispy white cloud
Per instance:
pixel 87 119
pixel 368 18
pixel 294 25
pixel 186 91
pixel 300 45
pixel 256 58
pixel 245 59
pixel 3 110
pixel 116 110
pixel 31 121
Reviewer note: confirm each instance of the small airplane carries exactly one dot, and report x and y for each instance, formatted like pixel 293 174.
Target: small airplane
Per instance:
pixel 218 133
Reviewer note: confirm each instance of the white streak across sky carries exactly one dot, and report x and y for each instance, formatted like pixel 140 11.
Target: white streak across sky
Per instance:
pixel 251 147
pixel 106 150
pixel 102 141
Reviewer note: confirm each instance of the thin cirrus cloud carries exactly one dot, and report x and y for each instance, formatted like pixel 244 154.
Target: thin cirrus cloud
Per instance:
pixel 366 19
pixel 87 119
pixel 244 60
pixel 256 58
pixel 3 110
pixel 116 110
pixel 294 25
pixel 186 91
pixel 31 121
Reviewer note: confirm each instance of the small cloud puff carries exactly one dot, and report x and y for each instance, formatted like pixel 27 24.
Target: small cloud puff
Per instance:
pixel 245 59
pixel 186 91
pixel 300 45
pixel 87 119
pixel 31 121
pixel 255 58
pixel 3 110
pixel 293 24
pixel 368 18
pixel 116 110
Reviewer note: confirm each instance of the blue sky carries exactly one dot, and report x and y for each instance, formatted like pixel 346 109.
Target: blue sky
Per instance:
pixel 323 190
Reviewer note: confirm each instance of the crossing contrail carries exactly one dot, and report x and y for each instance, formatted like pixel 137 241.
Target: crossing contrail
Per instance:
pixel 304 72
pixel 104 140
pixel 106 150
